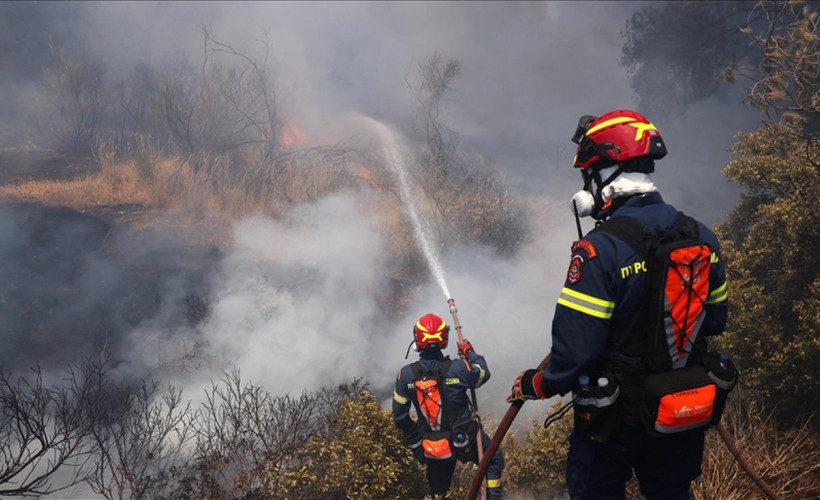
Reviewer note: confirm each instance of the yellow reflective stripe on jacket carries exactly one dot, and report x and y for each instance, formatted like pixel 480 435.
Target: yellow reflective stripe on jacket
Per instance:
pixel 586 304
pixel 398 398
pixel 482 375
pixel 717 295
pixel 493 483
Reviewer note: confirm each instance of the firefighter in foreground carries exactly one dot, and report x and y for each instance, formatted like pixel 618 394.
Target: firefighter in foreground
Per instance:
pixel 630 330
pixel 446 428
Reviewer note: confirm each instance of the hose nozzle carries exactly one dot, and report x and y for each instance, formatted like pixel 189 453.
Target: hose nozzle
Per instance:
pixel 452 304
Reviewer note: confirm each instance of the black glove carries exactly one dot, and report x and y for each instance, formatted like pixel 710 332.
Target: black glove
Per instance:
pixel 527 385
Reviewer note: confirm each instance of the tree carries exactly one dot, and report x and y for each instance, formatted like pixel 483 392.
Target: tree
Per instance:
pixel 467 198
pixel 790 59
pixel 362 457
pixel 43 431
pixel 773 271
pixel 74 100
pixel 139 437
pixel 773 275
pixel 677 53
pixel 246 440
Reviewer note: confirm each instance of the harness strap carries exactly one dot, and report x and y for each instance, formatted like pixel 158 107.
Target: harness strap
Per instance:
pixel 419 371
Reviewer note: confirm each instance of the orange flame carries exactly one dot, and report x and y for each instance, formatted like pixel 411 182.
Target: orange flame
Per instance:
pixel 291 135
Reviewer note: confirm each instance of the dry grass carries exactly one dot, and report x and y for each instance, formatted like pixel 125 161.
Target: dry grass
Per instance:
pixel 116 184
pixel 786 460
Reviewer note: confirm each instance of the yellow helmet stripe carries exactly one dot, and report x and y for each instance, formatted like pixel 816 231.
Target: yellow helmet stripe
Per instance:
pixel 608 123
pixel 641 128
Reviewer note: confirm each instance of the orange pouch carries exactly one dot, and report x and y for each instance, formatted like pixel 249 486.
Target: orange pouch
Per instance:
pixel 678 400
pixel 437 446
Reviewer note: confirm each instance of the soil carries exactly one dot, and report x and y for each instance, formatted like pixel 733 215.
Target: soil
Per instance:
pixel 29 162
pixel 75 283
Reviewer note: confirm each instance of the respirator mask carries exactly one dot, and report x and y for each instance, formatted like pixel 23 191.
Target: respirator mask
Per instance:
pixel 589 201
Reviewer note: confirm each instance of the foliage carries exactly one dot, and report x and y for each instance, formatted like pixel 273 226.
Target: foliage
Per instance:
pixel 790 63
pixel 363 457
pixel 773 270
pixel 787 460
pixel 676 52
pixel 466 198
pixel 244 438
pixel 535 461
pixel 129 440
pixel 73 100
pixel 138 436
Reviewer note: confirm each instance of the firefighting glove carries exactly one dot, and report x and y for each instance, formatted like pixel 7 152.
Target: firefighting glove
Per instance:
pixel 465 348
pixel 527 385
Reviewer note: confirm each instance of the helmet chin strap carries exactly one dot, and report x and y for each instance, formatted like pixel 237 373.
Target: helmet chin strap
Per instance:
pixel 599 196
pixel 413 345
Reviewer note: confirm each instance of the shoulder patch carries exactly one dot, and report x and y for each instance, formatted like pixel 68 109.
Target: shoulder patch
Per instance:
pixel 585 246
pixel 576 269
pixel 582 251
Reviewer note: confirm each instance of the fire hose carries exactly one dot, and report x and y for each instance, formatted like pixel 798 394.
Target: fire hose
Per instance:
pixel 479 441
pixel 495 441
pixel 512 412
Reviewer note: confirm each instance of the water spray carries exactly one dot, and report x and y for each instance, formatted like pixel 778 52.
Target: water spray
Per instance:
pixel 395 161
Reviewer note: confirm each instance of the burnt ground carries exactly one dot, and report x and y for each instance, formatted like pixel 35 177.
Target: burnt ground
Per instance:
pixel 30 162
pixel 73 282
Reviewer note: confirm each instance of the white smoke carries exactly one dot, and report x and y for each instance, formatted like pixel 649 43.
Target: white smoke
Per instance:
pixel 294 300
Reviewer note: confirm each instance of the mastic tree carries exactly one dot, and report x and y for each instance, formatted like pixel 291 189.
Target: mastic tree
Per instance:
pixel 676 52
pixel 535 458
pixel 770 237
pixel 769 245
pixel 789 54
pixel 362 456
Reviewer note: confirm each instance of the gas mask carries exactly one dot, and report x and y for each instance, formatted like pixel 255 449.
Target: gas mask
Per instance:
pixel 582 203
pixel 589 201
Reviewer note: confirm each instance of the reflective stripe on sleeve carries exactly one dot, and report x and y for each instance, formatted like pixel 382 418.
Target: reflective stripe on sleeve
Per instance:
pixel 398 398
pixel 586 304
pixel 493 483
pixel 482 374
pixel 717 295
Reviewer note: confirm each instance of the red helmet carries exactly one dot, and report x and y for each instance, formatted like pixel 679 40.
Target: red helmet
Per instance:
pixel 430 330
pixel 615 137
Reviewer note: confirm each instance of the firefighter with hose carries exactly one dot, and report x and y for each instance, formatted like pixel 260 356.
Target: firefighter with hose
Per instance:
pixel 446 427
pixel 644 293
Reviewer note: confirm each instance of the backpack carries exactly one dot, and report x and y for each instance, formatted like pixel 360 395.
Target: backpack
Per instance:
pixel 443 437
pixel 431 404
pixel 677 263
pixel 678 389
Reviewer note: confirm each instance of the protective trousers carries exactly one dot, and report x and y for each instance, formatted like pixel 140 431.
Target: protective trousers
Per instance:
pixel 664 466
pixel 440 474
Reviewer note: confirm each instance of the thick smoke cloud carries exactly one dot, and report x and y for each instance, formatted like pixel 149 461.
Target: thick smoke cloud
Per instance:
pixel 295 304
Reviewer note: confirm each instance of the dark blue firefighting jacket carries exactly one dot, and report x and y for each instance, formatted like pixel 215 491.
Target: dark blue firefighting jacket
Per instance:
pixel 457 382
pixel 605 284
